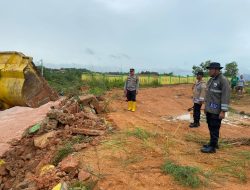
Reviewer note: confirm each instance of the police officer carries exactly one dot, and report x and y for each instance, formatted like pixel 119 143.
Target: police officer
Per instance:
pixel 131 88
pixel 199 91
pixel 216 104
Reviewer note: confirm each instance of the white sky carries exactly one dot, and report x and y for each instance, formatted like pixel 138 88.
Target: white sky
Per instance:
pixel 113 35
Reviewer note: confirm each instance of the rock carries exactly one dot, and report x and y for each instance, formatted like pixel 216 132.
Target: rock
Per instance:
pixel 78 147
pixel 8 184
pixel 73 108
pixel 65 118
pixel 85 100
pixel 100 98
pixel 61 174
pixel 52 114
pixel 13 173
pixel 69 164
pixel 43 141
pixel 95 142
pixel 83 175
pixel 23 185
pixel 92 101
pixel 28 156
pixel 46 169
pixel 3 170
pixel 90 116
pixel 90 132
pixel 52 124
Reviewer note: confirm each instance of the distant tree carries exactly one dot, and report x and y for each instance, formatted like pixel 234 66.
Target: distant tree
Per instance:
pixel 202 67
pixel 231 69
pixel 169 74
pixel 149 73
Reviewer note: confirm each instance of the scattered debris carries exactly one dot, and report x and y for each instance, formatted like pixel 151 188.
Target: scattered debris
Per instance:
pixel 72 126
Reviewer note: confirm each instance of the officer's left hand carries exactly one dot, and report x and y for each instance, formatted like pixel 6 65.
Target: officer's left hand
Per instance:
pixel 136 91
pixel 222 115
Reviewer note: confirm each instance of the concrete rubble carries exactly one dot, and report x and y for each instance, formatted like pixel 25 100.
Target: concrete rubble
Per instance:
pixel 74 125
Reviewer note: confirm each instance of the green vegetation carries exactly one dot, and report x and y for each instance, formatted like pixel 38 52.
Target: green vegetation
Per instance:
pixel 202 67
pixel 236 167
pixel 65 80
pixel 185 175
pixel 83 186
pixel 248 90
pixel 100 86
pixel 62 153
pixel 231 69
pixel 80 139
pixel 140 133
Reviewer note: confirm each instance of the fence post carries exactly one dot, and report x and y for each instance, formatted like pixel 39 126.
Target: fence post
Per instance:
pixel 179 79
pixel 187 79
pixel 170 79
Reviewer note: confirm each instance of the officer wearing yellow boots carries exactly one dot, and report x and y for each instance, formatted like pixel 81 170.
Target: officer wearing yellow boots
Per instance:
pixel 131 88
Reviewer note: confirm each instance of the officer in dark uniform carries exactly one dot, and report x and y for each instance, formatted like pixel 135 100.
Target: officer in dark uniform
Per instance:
pixel 216 104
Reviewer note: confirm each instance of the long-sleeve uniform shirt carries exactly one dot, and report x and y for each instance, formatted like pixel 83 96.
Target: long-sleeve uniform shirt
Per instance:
pixel 199 92
pixel 132 83
pixel 217 95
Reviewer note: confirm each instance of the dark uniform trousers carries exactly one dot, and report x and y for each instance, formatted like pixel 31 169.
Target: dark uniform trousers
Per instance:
pixel 131 95
pixel 214 123
pixel 197 112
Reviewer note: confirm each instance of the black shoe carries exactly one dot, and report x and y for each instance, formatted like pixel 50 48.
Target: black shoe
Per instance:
pixel 207 145
pixel 194 125
pixel 208 149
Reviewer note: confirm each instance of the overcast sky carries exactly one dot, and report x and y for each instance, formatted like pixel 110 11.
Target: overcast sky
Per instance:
pixel 113 35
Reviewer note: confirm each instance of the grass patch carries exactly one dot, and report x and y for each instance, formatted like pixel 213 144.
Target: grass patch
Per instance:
pixel 140 133
pixel 115 144
pixel 236 167
pixel 185 175
pixel 80 139
pixel 83 186
pixel 223 143
pixel 62 153
pixel 132 160
pixel 191 137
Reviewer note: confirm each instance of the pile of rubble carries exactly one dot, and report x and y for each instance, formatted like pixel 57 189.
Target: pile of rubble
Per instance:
pixel 44 157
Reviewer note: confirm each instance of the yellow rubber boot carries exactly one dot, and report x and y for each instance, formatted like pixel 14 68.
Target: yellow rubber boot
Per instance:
pixel 129 106
pixel 133 106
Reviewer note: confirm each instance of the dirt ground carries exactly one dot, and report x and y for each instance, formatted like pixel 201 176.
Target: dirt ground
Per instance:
pixel 131 156
pixel 125 161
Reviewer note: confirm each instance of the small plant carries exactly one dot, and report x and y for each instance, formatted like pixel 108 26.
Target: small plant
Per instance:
pixel 140 133
pixel 196 138
pixel 185 175
pixel 62 153
pixel 131 160
pixel 80 139
pixel 83 186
